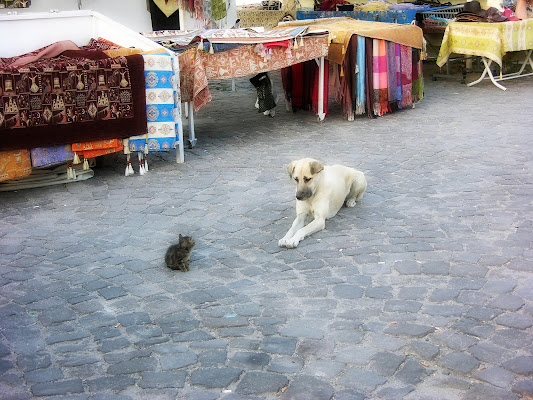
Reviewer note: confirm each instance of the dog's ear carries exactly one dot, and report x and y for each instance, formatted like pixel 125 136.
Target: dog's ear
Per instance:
pixel 290 168
pixel 315 167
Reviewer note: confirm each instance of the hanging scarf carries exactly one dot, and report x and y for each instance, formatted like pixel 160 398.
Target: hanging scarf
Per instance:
pixel 379 64
pixel 369 83
pixel 398 73
pixel 391 73
pixel 375 76
pixel 418 82
pixel 407 74
pixel 348 79
pixel 360 77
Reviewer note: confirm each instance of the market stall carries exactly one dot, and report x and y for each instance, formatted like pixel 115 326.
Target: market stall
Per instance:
pixel 80 90
pixel 231 53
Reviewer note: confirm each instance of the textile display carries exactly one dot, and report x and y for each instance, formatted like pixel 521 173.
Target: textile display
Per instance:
pixel 14 164
pixel 76 96
pixel 487 39
pixel 161 109
pixel 197 67
pixel 341 29
pixel 47 156
pixel 193 79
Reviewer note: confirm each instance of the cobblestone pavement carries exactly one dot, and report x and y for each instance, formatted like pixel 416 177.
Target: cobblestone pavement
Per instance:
pixel 424 290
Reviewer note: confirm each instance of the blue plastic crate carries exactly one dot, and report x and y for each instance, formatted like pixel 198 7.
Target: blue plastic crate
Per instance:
pixel 396 17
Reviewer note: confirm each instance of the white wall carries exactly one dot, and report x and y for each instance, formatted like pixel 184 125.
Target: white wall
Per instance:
pixel 132 13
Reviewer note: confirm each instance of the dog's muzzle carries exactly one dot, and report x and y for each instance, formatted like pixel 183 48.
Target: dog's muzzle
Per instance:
pixel 303 194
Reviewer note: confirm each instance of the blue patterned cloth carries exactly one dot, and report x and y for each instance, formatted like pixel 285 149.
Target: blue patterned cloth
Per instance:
pixel 161 106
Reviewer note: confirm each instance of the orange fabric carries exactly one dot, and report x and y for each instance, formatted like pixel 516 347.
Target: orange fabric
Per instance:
pixel 14 164
pixel 97 147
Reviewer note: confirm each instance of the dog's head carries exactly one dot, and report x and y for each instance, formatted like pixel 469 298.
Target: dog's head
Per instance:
pixel 305 173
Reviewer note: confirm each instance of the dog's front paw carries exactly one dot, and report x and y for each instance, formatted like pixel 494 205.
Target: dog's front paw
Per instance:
pixel 350 203
pixel 292 243
pixel 289 243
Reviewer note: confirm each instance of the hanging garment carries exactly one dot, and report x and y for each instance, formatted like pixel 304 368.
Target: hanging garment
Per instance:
pixel 360 95
pixel 369 80
pixel 407 74
pixel 382 93
pixel 397 52
pixel 164 15
pixel 418 82
pixel 347 79
pixel 391 75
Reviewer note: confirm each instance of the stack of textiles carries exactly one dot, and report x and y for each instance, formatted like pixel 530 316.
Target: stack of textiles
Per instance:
pixel 385 60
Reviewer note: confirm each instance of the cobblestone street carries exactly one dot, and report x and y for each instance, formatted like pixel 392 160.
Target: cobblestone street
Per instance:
pixel 422 291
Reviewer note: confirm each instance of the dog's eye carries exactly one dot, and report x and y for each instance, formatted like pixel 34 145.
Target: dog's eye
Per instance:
pixel 296 179
pixel 307 180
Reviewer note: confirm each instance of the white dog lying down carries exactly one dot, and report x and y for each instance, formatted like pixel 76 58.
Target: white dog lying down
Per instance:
pixel 320 193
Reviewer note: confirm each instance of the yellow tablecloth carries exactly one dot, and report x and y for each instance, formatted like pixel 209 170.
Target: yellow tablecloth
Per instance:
pixel 490 40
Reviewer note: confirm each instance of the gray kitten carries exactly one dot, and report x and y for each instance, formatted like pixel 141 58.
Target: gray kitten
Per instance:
pixel 178 255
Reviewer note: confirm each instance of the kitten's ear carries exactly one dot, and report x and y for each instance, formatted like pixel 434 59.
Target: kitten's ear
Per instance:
pixel 181 237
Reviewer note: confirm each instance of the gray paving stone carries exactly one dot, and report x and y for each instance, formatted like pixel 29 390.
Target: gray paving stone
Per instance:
pixel 523 388
pixel 488 392
pixel 279 345
pixel 522 365
pixel 159 380
pixel 57 388
pixel 496 376
pixel 261 382
pixel 249 360
pixel 308 388
pixel 215 377
pixel 117 383
pixel 414 330
pixel 284 364
pixel 360 379
pixel 413 372
pixel 458 362
pixel 132 366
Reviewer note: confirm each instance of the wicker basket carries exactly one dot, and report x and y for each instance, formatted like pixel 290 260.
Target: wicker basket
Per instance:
pixel 438 18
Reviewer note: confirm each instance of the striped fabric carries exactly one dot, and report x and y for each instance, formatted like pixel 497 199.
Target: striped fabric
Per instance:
pixel 161 108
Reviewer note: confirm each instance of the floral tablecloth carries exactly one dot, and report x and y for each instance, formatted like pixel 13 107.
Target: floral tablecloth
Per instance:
pixel 486 39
